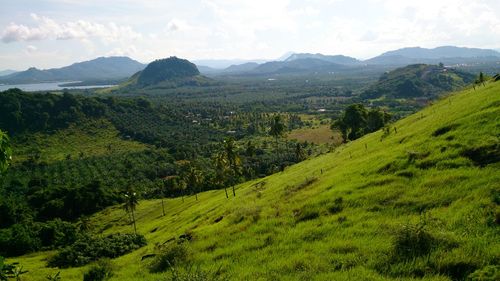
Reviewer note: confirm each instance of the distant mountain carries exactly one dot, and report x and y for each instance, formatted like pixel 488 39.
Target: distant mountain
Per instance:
pixel 208 70
pixel 298 66
pixel 338 59
pixel 103 68
pixel 445 54
pixel 7 72
pixel 245 67
pixel 224 63
pixel 171 72
pixel 442 52
pixel 418 81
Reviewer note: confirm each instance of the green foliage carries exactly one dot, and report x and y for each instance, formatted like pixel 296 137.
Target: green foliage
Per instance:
pixel 166 69
pixel 277 127
pixel 169 257
pixel 412 241
pixel 357 121
pixel 418 81
pixel 5 152
pixel 100 271
pixel 87 249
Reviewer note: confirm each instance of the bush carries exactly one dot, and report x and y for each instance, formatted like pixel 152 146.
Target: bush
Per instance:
pixel 99 272
pixel 88 249
pixel 170 256
pixel 18 240
pixel 412 241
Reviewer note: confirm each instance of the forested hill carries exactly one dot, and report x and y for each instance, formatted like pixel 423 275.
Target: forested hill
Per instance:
pixel 171 72
pixel 418 81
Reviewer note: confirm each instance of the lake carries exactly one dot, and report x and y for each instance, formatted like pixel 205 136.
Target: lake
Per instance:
pixel 48 86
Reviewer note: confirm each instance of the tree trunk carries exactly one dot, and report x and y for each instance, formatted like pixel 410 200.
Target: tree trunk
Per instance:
pixel 133 220
pixel 162 207
pixel 234 193
pixel 225 189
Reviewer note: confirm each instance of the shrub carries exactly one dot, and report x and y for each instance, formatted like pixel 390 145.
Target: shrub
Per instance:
pixel 18 240
pixel 170 256
pixel 412 241
pixel 99 272
pixel 88 249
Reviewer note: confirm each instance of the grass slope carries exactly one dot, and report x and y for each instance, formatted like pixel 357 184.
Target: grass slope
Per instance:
pixel 319 135
pixel 294 226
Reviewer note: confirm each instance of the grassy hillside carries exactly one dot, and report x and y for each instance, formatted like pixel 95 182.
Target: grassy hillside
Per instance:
pixel 419 200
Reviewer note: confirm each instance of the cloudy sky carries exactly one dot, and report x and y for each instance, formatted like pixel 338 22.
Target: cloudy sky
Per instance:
pixel 54 33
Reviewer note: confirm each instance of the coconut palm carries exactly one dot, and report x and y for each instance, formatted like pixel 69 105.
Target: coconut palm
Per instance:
pixel 130 205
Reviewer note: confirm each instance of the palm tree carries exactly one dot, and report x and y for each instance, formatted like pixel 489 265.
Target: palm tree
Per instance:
pixel 221 167
pixel 277 130
pixel 130 205
pixel 194 179
pixel 277 127
pixel 233 161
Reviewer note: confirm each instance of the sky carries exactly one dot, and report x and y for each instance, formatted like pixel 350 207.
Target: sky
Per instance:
pixel 55 33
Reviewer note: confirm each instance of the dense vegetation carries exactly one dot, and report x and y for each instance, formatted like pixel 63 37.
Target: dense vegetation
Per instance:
pixel 416 202
pixel 76 155
pixel 418 81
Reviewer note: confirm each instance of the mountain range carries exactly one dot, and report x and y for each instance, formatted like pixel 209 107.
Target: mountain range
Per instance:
pixel 115 68
pixel 102 68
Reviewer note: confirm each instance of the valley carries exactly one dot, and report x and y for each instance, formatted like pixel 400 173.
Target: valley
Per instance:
pixel 312 168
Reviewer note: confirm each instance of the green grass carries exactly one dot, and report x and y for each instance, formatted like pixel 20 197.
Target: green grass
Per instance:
pixel 294 226
pixel 94 138
pixel 321 134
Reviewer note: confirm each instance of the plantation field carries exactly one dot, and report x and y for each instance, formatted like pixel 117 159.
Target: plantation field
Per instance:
pixel 321 134
pixel 94 138
pixel 417 201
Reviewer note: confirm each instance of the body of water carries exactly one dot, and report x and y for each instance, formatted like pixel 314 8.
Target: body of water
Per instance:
pixel 52 86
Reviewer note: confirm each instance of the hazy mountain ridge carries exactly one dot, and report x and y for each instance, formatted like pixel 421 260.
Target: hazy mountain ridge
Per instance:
pixel 310 63
pixel 7 72
pixel 101 68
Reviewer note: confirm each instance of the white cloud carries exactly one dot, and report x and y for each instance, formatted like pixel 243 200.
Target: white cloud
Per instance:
pixel 47 28
pixel 31 49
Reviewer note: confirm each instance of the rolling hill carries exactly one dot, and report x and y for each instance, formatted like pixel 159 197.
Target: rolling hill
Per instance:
pixel 416 201
pixel 103 68
pixel 418 81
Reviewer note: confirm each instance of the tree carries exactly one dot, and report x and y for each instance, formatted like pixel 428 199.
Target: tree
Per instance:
pixel 376 119
pixel 353 122
pixel 130 204
pixel 481 79
pixel 5 152
pixel 233 161
pixel 277 127
pixel 299 152
pixel 194 179
pixel 221 168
